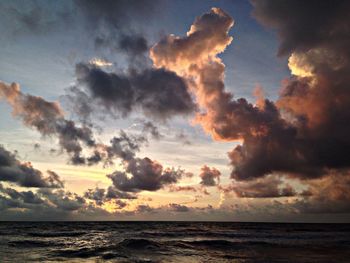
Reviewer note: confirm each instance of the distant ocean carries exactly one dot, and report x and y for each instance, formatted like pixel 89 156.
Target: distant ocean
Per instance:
pixel 173 242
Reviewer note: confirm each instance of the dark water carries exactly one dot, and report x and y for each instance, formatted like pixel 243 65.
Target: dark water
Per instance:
pixel 173 242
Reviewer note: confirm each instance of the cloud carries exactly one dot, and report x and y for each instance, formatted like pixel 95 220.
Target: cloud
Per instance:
pixel 109 17
pixel 24 174
pixel 312 139
pixel 146 174
pixel 43 200
pixel 209 176
pixel 117 25
pixel 134 45
pixel 99 62
pixel 326 195
pixel 149 127
pixel 297 32
pixel 26 196
pixel 101 195
pixel 33 17
pixel 194 57
pixel 185 188
pixel 158 93
pixel 115 14
pixel 304 133
pixel 144 209
pixel 267 187
pixel 48 119
pixel 178 208
pixel 63 200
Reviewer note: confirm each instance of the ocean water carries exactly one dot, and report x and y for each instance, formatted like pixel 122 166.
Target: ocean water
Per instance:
pixel 173 242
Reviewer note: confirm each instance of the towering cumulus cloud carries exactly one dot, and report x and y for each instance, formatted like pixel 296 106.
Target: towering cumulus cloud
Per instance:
pixel 314 102
pixel 305 133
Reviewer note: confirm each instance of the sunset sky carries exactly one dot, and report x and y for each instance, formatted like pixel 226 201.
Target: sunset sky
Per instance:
pixel 175 110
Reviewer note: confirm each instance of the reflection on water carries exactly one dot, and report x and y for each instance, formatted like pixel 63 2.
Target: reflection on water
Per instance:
pixel 173 242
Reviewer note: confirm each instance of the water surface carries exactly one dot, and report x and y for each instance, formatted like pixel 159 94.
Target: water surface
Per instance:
pixel 173 242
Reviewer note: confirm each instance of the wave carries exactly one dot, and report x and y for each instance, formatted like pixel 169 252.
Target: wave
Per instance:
pixel 31 243
pixel 139 244
pixel 56 234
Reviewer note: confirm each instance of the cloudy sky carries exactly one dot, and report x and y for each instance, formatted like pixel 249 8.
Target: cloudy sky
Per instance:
pixel 175 110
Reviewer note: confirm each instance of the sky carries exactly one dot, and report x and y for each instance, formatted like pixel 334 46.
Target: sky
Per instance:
pixel 227 110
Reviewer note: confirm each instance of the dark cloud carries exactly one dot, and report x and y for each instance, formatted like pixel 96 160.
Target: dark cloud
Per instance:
pixel 48 119
pixel 178 208
pixel 115 14
pixel 133 44
pixel 24 174
pixel 44 200
pixel 62 200
pixel 34 17
pixel 144 209
pixel 123 147
pixel 36 146
pixel 145 175
pixel 135 47
pixel 267 187
pixel 117 25
pixel 304 133
pixel 113 193
pixel 149 127
pixel 209 176
pixel 101 195
pixel 157 92
pixel 26 196
pixel 107 17
pixel 97 194
pixel 329 25
pixel 312 137
pixel 179 188
pixel 329 194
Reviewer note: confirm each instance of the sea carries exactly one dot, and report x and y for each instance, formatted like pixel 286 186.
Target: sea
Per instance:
pixel 173 242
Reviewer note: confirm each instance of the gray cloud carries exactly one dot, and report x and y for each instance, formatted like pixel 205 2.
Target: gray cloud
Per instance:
pixel 267 187
pixel 149 127
pixel 145 175
pixel 48 119
pixel 209 176
pixel 44 200
pixel 178 208
pixel 307 137
pixel 101 195
pixel 158 93
pixel 24 174
pixel 297 32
